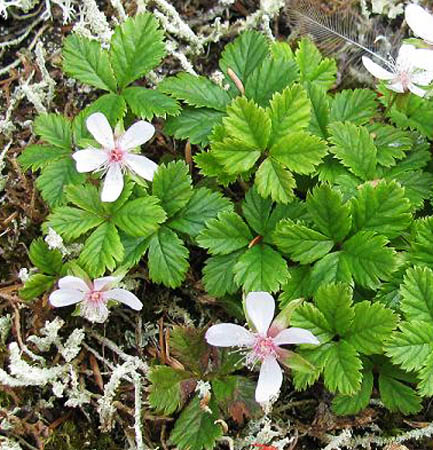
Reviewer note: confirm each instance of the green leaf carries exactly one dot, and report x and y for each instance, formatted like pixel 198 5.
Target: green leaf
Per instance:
pixel 355 148
pixel 425 386
pixel 302 244
pixel 371 327
pixel 342 371
pixel 319 110
pixel 46 260
pixel 210 167
pixel 168 390
pixel 36 285
pixel 383 208
pixel 328 212
pixel 194 124
pixel 55 177
pixel 261 268
pixel 85 197
pixel 203 206
pixel 311 318
pixel 137 46
pixel 234 155
pixel 54 129
pixel 140 217
pixel 273 75
pixel 196 91
pixel 300 152
pixel 418 185
pixel 297 287
pixel 420 252
pixel 38 156
pixel 369 258
pixel 148 103
pixel 289 112
pixel 135 247
pixel 248 123
pixel 85 60
pixel 331 268
pixel 344 405
pixel 396 396
pixel 168 258
pixel 357 106
pixel 257 211
pixel 102 250
pixel 317 357
pixel 273 180
pixel 195 429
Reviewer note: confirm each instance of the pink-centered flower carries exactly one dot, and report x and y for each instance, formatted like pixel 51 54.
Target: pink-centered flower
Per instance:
pixel 405 74
pixel 263 344
pixel 115 157
pixel 92 296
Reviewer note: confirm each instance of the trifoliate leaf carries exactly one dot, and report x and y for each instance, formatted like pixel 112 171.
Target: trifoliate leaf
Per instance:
pixel 274 181
pixel 357 106
pixel 319 110
pixel 225 234
pixel 140 217
pixel 168 258
pixel 38 156
pixel 210 167
pixel 36 285
pixel 331 268
pixel 102 250
pixel 148 103
pixel 417 294
pixel 420 252
pixel 85 60
pixel 257 211
pixel 354 146
pixel 85 197
pixel 196 91
pixel 383 208
pixel 261 268
pixel 418 186
pixel 298 285
pixel 46 260
pixel 137 46
pixel 281 49
pixel 317 357
pixel 328 212
pixel 311 318
pixel 369 258
pixel 302 244
pixel 235 155
pixel 54 129
pixel 396 396
pixel 289 111
pixel 300 152
pixel 135 247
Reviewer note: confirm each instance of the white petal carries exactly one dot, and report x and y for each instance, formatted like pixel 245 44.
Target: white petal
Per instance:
pixel 137 134
pixel 422 78
pixel 416 90
pixel 396 87
pixel 124 296
pixel 66 297
pixel 260 308
pixel 270 380
pixel 100 283
pixel 142 166
pixel 376 70
pixel 113 184
pixel 101 130
pixel 89 159
pixel 76 283
pixel 295 335
pixel 420 21
pixel 94 312
pixel 229 335
pixel 423 59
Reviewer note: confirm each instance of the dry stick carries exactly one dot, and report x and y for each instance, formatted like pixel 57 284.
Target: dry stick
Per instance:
pixel 236 80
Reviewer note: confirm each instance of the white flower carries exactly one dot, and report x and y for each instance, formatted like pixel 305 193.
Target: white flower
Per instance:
pixel 92 296
pixel 420 22
pixel 263 344
pixel 114 157
pixel 405 73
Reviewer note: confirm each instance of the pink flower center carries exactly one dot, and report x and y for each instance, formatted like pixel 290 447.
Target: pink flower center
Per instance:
pixel 95 297
pixel 405 80
pixel 263 347
pixel 116 155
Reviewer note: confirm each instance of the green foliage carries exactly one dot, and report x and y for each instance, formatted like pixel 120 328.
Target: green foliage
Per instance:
pixel 357 106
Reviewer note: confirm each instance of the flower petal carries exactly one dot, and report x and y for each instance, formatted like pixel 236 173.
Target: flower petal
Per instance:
pixel 376 70
pixel 396 87
pixel 137 134
pixel 260 308
pixel 420 21
pixel 416 90
pixel 105 282
pixel 295 335
pixel 75 283
pixel 229 335
pixel 66 297
pixel 125 297
pixel 423 59
pixel 89 159
pixel 142 166
pixel 100 129
pixel 113 184
pixel 270 380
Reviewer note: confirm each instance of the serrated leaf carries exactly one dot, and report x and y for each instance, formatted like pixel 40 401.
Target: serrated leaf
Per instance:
pixel 54 129
pixel 354 146
pixel 342 372
pixel 319 110
pixel 168 258
pixel 425 386
pixel 36 285
pixel 85 197
pixel 298 285
pixel 357 106
pixel 46 260
pixel 235 156
pixel 396 396
pixel 417 294
pixel 289 111
pixel 140 217
pixel 85 60
pixel 135 247
pixel 328 212
pixel 261 268
pixel 102 250
pixel 38 156
pixel 420 251
pixel 210 167
pixel 257 211
pixel 273 180
pixel 196 91
pixel 301 243
pixel 311 318
pixel 225 234
pixel 137 46
pixel 318 358
pixel 418 185
pixel 331 268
